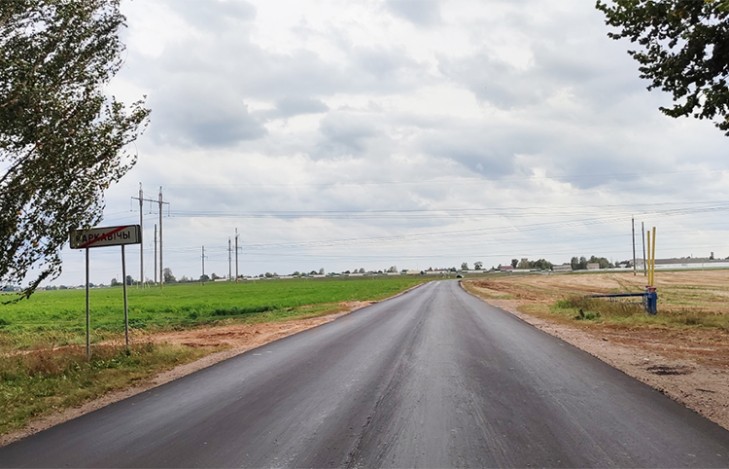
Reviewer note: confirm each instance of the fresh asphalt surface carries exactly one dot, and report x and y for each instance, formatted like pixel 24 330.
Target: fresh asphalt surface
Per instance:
pixel 433 378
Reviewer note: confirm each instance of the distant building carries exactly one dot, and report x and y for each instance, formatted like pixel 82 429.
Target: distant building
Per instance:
pixel 593 266
pixel 687 263
pixel 562 268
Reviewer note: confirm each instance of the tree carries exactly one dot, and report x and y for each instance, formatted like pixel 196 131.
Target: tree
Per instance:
pixel 514 263
pixel 601 261
pixel 167 275
pixel 114 282
pixel 129 280
pixel 204 278
pixel 62 140
pixel 464 266
pixel 684 50
pixel 541 264
pixel 478 265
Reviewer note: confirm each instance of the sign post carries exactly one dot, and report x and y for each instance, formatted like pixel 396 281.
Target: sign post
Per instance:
pixel 126 309
pixel 88 312
pixel 100 237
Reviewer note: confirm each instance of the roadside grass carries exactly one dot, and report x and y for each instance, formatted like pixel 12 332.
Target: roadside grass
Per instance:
pixel 633 315
pixel 43 366
pixel 40 382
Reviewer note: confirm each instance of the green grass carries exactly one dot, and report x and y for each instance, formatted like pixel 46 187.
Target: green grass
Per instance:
pixel 58 317
pixel 37 383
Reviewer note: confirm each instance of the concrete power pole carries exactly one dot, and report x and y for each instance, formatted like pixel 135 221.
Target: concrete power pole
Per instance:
pixel 202 257
pixel 141 229
pixel 230 260
pixel 642 231
pixel 161 277
pixel 160 202
pixel 155 253
pixel 632 221
pixel 236 255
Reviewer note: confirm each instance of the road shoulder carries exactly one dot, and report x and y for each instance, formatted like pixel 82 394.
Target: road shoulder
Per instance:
pixel 699 386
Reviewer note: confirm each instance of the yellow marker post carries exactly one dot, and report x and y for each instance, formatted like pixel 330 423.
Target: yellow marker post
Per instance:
pixel 653 258
pixel 649 264
pixel 651 297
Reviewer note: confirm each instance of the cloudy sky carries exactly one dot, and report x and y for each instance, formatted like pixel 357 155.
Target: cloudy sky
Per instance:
pixel 341 134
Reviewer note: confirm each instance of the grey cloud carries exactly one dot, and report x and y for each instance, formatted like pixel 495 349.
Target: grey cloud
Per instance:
pixel 418 12
pixel 214 14
pixel 294 105
pixel 192 116
pixel 344 134
pixel 490 150
pixel 380 62
pixel 494 81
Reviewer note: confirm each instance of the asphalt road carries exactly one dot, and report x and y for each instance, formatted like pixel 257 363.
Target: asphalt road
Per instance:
pixel 433 378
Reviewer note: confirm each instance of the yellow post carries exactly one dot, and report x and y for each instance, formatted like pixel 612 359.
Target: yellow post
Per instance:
pixel 648 258
pixel 653 259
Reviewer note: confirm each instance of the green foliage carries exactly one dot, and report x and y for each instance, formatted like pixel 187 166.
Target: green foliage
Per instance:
pixel 683 50
pixel 540 264
pixel 581 263
pixel 61 138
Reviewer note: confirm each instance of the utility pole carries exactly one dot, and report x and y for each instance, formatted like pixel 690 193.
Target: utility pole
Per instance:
pixel 161 277
pixel 642 232
pixel 155 253
pixel 141 230
pixel 230 260
pixel 160 202
pixel 236 255
pixel 632 220
pixel 202 257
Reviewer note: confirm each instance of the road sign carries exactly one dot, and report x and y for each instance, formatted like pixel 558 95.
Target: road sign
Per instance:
pixel 107 236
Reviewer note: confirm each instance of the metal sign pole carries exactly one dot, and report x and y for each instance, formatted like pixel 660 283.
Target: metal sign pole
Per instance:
pixel 88 315
pixel 124 288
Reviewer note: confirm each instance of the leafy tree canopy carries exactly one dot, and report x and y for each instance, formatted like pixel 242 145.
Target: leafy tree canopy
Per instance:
pixel 683 50
pixel 62 138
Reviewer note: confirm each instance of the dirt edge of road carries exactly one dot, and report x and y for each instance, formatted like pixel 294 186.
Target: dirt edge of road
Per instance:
pixel 701 388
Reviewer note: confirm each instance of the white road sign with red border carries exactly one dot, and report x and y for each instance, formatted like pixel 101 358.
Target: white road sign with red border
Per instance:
pixel 106 236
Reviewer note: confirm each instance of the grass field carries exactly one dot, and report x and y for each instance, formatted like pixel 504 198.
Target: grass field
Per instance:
pixel 56 318
pixel 44 368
